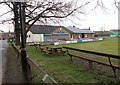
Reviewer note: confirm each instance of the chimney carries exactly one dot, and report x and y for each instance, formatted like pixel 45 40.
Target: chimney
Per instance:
pixel 89 28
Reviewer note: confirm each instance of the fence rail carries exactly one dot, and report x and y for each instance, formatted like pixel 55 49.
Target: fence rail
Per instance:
pixel 92 52
pixel 109 56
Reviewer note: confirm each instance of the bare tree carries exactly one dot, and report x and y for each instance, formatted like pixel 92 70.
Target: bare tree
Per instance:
pixel 16 21
pixel 50 11
pixel 45 11
pixel 42 12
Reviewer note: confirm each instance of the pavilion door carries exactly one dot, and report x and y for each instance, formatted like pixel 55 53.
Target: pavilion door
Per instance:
pixel 83 35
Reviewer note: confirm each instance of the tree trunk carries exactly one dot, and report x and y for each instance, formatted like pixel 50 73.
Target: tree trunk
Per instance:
pixel 24 15
pixel 17 28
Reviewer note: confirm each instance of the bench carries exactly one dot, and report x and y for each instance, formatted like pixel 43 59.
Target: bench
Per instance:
pixel 90 60
pixel 44 50
pixel 53 50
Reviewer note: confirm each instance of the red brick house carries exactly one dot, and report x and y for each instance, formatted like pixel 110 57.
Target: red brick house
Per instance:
pixel 77 33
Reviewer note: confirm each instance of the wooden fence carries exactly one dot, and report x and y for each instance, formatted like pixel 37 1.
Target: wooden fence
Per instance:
pixel 109 56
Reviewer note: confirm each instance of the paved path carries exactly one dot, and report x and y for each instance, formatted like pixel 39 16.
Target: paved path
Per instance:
pixel 12 72
pixel 3 47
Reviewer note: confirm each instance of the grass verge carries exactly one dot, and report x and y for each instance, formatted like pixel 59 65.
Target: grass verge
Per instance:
pixel 63 71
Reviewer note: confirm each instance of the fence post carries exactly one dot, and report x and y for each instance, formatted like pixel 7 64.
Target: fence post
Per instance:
pixel 90 64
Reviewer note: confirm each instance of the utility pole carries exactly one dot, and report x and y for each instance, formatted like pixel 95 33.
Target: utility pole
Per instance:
pixel 23 35
pixel 118 46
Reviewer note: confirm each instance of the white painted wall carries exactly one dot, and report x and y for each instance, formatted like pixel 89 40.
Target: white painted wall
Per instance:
pixel 29 39
pixel 35 37
pixel 38 37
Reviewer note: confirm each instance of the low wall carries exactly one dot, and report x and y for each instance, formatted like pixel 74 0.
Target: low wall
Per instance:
pixel 77 41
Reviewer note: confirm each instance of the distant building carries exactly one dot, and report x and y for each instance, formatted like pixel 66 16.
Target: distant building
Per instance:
pixel 101 33
pixel 41 33
pixel 1 32
pixel 6 35
pixel 115 33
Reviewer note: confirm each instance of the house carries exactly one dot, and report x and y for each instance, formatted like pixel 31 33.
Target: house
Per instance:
pixel 3 35
pixel 115 33
pixel 77 33
pixel 41 33
pixel 6 35
pixel 101 33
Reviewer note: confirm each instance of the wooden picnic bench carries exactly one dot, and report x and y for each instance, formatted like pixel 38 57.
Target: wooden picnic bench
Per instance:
pixel 90 60
pixel 53 50
pixel 39 46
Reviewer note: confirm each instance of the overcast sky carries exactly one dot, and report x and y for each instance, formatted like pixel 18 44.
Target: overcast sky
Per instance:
pixel 96 19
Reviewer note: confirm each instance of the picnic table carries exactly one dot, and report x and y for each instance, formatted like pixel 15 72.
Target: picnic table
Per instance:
pixel 53 50
pixel 39 45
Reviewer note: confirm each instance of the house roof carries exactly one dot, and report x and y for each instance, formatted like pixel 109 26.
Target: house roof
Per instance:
pixel 78 30
pixel 48 29
pixel 44 29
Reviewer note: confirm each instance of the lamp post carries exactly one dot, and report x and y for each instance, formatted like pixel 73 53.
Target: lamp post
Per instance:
pixel 118 36
pixel 23 35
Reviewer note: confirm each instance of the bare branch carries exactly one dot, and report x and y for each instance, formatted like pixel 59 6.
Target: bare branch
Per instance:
pixel 9 5
pixel 54 10
pixel 116 3
pixel 36 18
pixel 35 8
pixel 5 13
pixel 99 3
pixel 5 21
pixel 68 13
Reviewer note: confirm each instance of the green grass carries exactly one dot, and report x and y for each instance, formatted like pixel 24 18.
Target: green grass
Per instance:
pixel 63 71
pixel 60 68
pixel 108 45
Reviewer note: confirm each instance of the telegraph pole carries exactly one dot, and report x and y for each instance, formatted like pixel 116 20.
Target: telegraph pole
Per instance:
pixel 23 35
pixel 118 39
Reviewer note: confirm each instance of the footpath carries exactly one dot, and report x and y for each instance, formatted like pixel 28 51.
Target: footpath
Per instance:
pixel 12 69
